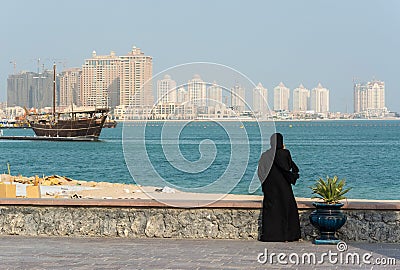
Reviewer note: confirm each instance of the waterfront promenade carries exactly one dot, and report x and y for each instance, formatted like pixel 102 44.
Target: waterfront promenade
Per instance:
pixel 20 252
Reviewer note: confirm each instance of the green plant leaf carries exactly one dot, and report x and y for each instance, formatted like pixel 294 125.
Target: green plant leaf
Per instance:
pixel 330 190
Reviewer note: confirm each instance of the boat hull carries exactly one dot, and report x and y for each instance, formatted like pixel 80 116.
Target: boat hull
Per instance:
pixel 84 128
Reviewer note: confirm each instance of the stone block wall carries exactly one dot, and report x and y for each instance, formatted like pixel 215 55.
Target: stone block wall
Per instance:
pixel 129 222
pixel 215 222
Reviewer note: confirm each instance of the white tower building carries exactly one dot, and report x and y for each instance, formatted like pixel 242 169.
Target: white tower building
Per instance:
pixel 197 91
pixel 238 98
pixel 376 95
pixel 320 99
pixel 136 73
pixel 166 90
pixel 214 95
pixel 301 96
pixel 182 95
pixel 281 98
pixel 260 100
pixel 369 98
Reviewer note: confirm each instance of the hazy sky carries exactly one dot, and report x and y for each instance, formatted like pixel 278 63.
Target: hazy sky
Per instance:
pixel 269 41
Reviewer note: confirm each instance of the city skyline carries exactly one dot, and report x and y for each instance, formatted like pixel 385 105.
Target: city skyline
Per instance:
pixel 113 91
pixel 369 98
pixel 314 44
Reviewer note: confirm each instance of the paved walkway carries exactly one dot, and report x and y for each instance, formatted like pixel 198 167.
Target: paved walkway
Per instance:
pixel 19 252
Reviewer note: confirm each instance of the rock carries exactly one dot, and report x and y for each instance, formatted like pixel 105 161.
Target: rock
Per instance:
pixel 138 223
pixel 373 216
pixel 391 217
pixel 155 226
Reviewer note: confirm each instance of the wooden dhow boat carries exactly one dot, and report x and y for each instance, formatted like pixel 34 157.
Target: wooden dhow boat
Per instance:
pixel 79 125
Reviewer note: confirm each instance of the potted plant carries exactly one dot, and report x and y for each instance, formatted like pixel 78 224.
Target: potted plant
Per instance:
pixel 328 217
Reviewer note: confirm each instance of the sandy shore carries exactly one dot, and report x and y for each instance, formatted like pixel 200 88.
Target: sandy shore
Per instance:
pixel 64 187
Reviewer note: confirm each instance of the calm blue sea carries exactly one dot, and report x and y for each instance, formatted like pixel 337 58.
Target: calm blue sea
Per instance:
pixel 364 152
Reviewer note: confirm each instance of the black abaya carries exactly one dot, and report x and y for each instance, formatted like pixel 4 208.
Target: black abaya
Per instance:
pixel 280 217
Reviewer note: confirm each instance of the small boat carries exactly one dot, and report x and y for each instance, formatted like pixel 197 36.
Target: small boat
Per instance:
pixel 82 125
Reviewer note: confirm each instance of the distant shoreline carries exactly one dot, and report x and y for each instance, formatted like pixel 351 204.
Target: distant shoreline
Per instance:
pixel 235 120
pixel 251 120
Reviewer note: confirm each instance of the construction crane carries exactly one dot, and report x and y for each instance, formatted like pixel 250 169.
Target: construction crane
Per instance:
pixel 14 65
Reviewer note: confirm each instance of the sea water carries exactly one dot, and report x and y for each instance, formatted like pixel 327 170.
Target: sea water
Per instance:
pixel 195 154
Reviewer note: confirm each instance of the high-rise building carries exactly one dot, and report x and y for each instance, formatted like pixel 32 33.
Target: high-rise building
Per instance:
pixel 109 80
pixel 360 97
pixel 369 96
pixel 214 94
pixel 320 99
pixel 101 80
pixel 197 91
pixel 301 96
pixel 136 73
pixel 182 95
pixel 281 97
pixel 238 102
pixel 260 100
pixel 166 90
pixel 376 90
pixel 30 89
pixel 70 87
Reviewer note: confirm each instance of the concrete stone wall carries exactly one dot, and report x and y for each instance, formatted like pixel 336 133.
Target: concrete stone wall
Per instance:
pixel 216 223
pixel 129 222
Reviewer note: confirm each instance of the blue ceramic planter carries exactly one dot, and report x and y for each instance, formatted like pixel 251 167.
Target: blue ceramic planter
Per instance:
pixel 327 218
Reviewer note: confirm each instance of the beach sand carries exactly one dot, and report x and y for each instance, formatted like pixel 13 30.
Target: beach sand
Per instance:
pixel 64 187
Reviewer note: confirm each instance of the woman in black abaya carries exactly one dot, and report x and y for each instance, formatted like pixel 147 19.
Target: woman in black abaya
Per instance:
pixel 280 217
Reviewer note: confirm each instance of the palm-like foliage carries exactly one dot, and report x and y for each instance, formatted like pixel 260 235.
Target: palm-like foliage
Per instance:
pixel 331 190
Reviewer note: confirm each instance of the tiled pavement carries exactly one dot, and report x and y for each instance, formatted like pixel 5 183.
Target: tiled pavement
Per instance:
pixel 19 252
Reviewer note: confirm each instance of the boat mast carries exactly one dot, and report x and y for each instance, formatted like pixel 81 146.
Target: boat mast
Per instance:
pixel 54 90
